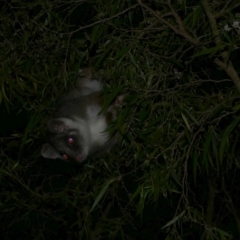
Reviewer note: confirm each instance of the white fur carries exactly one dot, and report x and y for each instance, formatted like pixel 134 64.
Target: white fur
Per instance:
pixel 94 85
pixel 77 123
pixel 88 86
pixel 97 124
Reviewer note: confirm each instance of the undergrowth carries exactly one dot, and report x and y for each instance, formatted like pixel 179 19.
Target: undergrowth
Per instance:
pixel 175 172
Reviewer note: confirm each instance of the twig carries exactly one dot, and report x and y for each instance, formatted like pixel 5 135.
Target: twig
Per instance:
pixel 229 69
pixel 223 11
pixel 225 6
pixel 210 204
pixel 212 21
pixel 176 30
pixel 226 64
pixel 177 17
pixel 92 24
pixel 231 206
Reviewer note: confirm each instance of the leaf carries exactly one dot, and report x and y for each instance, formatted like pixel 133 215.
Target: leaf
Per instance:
pixel 132 98
pixel 35 87
pixel 174 61
pixel 156 135
pixel 224 139
pixel 174 219
pixel 206 147
pixel 15 165
pixel 103 55
pixel 223 233
pixel 94 34
pixel 186 122
pixel 190 116
pixel 176 178
pixel 143 115
pixel 215 150
pixel 216 111
pixel 236 108
pixel 121 54
pixel 100 195
pixel 196 15
pixel 139 189
pixel 113 8
pixel 4 94
pixel 109 99
pixel 121 117
pixel 207 51
pixel 226 35
pixel 133 60
pixel 195 164
pixel 34 120
pixel 1 97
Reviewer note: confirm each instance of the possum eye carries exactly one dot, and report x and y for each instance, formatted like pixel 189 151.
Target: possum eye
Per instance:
pixel 65 156
pixel 70 140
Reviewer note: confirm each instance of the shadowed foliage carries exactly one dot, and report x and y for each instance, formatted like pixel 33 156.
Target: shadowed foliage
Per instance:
pixel 175 172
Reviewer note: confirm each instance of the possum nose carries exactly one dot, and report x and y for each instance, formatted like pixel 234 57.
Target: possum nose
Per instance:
pixel 79 157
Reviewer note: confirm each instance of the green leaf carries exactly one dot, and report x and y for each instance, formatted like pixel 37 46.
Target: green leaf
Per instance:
pixel 186 122
pixel 236 107
pixel 34 120
pixel 137 192
pixel 103 55
pixel 215 150
pixel 174 61
pixel 190 116
pixel 121 54
pixel 216 111
pixel 110 97
pixel 195 164
pixel 133 60
pixel 100 195
pixel 227 36
pixel 196 15
pixel 113 8
pixel 143 115
pixel 206 147
pixel 123 115
pixel 207 51
pixel 224 139
pixel 176 178
pixel 174 219
pixel 94 35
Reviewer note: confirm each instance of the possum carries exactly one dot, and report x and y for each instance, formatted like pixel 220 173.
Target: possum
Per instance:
pixel 77 128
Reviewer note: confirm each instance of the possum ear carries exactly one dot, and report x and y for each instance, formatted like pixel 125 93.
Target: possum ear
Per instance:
pixel 48 151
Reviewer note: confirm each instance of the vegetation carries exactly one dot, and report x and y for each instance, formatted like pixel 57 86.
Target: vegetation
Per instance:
pixel 175 173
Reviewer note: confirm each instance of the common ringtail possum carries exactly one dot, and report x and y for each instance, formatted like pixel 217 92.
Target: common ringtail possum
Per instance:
pixel 77 128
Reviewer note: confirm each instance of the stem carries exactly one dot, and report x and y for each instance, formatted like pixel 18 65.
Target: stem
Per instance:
pixel 211 198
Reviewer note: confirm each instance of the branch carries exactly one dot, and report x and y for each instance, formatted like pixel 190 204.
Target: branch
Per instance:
pixel 181 31
pixel 92 24
pixel 230 70
pixel 223 11
pixel 212 21
pixel 226 65
pixel 177 17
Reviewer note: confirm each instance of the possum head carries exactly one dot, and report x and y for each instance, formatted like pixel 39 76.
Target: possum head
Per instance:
pixel 69 139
